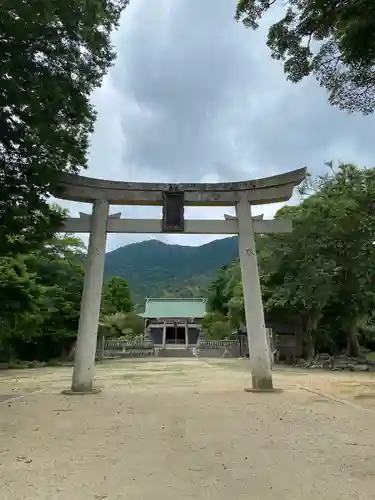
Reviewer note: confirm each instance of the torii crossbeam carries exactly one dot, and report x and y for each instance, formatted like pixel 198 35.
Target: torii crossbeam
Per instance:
pixel 173 198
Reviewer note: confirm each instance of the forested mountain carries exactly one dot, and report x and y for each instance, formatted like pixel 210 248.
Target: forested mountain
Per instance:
pixel 155 269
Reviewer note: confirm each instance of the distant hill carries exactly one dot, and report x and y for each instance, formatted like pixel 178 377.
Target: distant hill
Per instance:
pixel 155 269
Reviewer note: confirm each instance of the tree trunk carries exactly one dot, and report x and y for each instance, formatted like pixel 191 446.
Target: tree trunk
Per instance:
pixel 311 326
pixel 101 347
pixel 72 351
pixel 352 345
pixel 310 348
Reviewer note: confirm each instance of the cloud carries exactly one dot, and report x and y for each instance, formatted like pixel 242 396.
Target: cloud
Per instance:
pixel 195 96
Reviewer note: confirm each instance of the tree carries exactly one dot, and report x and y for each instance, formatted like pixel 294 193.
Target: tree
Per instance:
pixel 52 55
pixel 296 279
pixel 217 297
pixel 123 325
pixel 216 326
pixel 116 297
pixel 221 330
pixel 19 297
pixel 349 197
pixel 332 39
pixel 323 273
pixel 59 269
pixel 40 295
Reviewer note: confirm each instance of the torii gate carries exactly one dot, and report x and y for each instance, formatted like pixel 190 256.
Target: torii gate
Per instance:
pixel 173 198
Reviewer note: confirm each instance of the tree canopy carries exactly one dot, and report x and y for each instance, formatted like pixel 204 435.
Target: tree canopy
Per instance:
pixel 116 296
pixel 52 56
pixel 332 39
pixel 323 273
pixel 40 297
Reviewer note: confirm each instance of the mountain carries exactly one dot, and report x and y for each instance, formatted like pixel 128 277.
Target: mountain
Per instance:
pixel 155 269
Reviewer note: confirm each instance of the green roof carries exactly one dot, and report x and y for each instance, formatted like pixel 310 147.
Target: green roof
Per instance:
pixel 175 308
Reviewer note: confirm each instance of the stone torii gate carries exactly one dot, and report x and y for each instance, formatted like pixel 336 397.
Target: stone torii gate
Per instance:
pixel 173 198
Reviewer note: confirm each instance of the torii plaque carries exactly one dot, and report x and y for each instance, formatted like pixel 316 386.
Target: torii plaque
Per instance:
pixel 173 211
pixel 173 198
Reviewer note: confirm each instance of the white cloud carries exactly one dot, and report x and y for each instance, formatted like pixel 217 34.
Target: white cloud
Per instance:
pixel 196 97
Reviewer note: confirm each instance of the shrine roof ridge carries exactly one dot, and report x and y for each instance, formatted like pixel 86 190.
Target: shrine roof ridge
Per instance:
pixel 174 307
pixel 272 189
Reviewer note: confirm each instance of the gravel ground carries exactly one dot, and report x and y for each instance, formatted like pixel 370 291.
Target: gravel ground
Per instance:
pixel 180 429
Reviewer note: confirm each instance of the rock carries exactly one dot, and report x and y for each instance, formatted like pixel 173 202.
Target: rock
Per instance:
pixel 327 365
pixel 339 363
pixel 324 356
pixel 36 364
pixel 364 368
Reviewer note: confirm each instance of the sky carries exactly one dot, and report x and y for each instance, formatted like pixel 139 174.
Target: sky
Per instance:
pixel 195 97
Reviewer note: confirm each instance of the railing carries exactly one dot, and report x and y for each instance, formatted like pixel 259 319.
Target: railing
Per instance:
pixel 115 344
pixel 218 343
pixel 138 348
pixel 122 348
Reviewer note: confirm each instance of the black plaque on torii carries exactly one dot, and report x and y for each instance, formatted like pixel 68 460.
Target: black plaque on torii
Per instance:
pixel 173 210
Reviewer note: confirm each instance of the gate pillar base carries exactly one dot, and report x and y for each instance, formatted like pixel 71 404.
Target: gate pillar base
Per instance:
pixel 70 392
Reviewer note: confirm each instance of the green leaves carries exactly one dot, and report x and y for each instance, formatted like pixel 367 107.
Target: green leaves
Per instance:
pixel 40 294
pixel 52 55
pixel 116 297
pixel 330 255
pixel 216 326
pixel 121 324
pixel 323 273
pixel 40 297
pixel 19 296
pixel 333 40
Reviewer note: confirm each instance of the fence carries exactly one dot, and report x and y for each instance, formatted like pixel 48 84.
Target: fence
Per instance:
pixel 221 348
pixel 115 348
pixel 115 344
pixel 219 343
pixel 122 348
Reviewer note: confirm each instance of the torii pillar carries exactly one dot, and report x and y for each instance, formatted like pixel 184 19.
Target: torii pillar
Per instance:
pixel 259 354
pixel 83 373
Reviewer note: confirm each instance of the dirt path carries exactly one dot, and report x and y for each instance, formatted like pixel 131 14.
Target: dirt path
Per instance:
pixel 180 429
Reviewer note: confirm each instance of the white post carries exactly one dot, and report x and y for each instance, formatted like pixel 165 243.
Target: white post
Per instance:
pixel 101 346
pixel 84 360
pixel 164 333
pixel 270 345
pixel 186 335
pixel 256 332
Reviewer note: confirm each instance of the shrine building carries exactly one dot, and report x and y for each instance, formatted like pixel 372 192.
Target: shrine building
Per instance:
pixel 172 322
